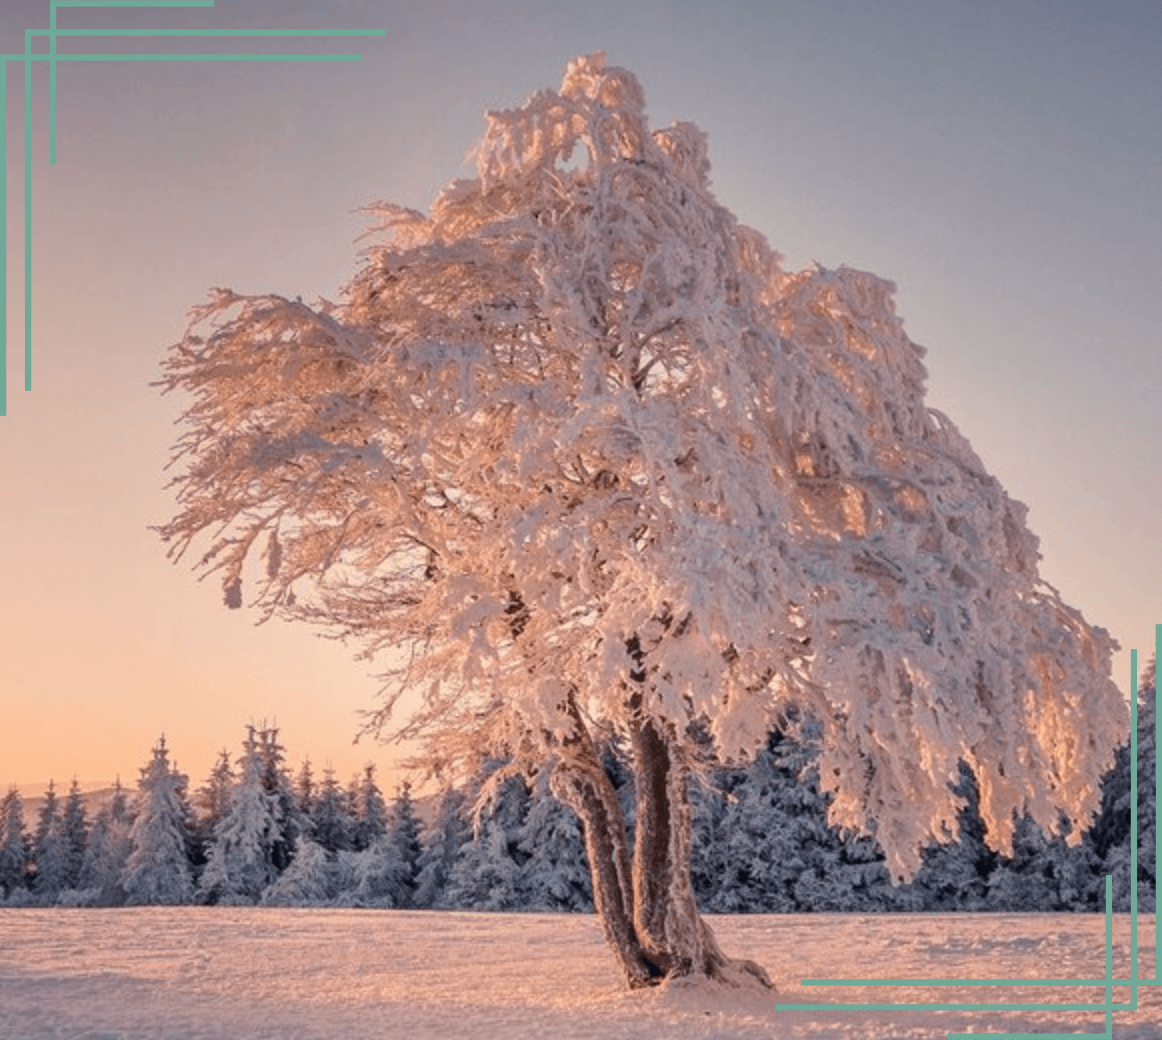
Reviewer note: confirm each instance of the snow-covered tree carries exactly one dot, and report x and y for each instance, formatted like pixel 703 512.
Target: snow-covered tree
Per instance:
pixel 308 881
pixel 577 453
pixel 212 800
pixel 108 850
pixel 158 871
pixel 1110 836
pixel 331 822
pixel 553 874
pixel 955 874
pixel 305 790
pixel 15 853
pixel 50 850
pixel 241 859
pixel 386 869
pixel 75 825
pixel 1041 875
pixel 487 872
pixel 403 835
pixel 277 782
pixel 447 832
pixel 369 810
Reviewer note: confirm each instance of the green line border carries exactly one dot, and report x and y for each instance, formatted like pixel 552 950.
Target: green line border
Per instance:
pixel 54 57
pixel 1109 982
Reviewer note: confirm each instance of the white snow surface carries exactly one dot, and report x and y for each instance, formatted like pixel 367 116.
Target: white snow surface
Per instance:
pixel 194 973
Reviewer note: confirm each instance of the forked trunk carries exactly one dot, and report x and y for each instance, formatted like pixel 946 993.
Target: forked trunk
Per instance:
pixel 581 783
pixel 648 912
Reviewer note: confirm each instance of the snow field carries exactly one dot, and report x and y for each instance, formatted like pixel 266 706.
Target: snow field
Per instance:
pixel 196 973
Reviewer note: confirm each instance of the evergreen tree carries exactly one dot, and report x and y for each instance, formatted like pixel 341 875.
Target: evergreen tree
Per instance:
pixel 764 829
pixel 369 810
pixel 1043 875
pixel 1109 838
pixel 305 791
pixel 158 871
pixel 331 823
pixel 443 838
pixel 15 851
pixel 380 877
pixel 308 881
pixel 75 825
pixel 108 850
pixel 955 875
pixel 241 860
pixel 213 802
pixel 554 874
pixel 403 835
pixel 50 850
pixel 487 871
pixel 277 784
pixel 710 792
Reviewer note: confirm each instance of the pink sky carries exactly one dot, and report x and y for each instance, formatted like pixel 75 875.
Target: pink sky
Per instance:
pixel 998 161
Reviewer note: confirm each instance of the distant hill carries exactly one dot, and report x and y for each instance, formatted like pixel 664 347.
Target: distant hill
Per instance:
pixel 95 795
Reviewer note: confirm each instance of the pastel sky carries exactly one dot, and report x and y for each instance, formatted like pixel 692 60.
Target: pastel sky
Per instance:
pixel 1000 160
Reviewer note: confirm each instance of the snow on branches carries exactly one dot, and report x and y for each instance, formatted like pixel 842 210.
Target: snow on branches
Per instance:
pixel 576 431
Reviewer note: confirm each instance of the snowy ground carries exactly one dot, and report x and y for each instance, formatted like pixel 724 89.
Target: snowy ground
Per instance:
pixel 197 973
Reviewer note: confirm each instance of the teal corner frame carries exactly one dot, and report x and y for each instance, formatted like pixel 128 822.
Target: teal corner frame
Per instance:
pixel 1109 982
pixel 54 57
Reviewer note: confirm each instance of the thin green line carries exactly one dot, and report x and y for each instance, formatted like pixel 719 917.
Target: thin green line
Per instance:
pixel 181 57
pixel 950 1007
pixel 134 3
pixel 52 85
pixel 973 982
pixel 4 241
pixel 28 211
pixel 1134 825
pixel 210 32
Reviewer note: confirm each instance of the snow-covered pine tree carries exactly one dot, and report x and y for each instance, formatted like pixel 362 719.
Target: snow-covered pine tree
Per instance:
pixel 370 810
pixel 305 789
pixel 487 871
pixel 1110 835
pixel 771 827
pixel 310 879
pixel 15 850
pixel 1037 878
pixel 331 822
pixel 277 782
pixel 158 871
pixel 403 835
pixel 448 831
pixel 955 873
pixel 240 862
pixel 75 824
pixel 553 874
pixel 577 451
pixel 709 851
pixel 386 869
pixel 108 850
pixel 50 851
pixel 212 802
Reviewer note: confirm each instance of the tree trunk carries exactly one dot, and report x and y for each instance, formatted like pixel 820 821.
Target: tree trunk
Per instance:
pixel 649 914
